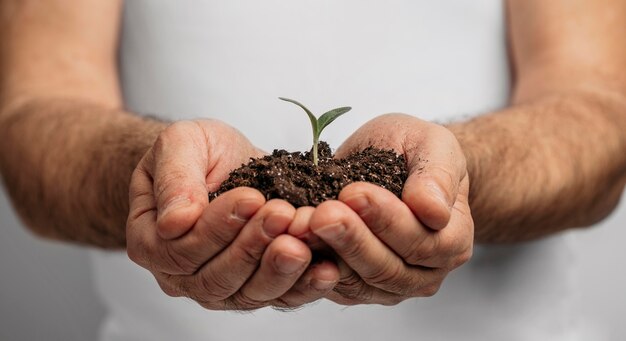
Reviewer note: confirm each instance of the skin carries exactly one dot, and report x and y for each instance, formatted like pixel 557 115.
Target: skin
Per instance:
pixel 233 253
pixel 554 159
pixel 390 248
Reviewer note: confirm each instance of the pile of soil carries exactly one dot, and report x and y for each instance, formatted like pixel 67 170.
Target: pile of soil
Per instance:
pixel 294 178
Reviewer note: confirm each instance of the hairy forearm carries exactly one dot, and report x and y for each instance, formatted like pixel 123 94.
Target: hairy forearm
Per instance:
pixel 541 167
pixel 67 166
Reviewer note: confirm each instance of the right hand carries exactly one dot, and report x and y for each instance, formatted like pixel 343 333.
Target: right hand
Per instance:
pixel 232 253
pixel 393 249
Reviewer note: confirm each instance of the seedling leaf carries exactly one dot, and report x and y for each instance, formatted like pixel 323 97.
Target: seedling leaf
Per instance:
pixel 314 124
pixel 328 117
pixel 318 124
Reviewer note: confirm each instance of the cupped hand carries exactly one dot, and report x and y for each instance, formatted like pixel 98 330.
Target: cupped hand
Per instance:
pixel 391 249
pixel 232 253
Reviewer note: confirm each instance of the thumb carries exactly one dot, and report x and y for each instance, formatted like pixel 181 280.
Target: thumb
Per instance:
pixel 180 166
pixel 432 187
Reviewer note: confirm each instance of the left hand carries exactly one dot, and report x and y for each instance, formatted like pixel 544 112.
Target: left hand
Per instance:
pixel 392 249
pixel 229 254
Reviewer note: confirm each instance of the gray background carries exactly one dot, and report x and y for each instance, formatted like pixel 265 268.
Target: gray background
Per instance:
pixel 46 289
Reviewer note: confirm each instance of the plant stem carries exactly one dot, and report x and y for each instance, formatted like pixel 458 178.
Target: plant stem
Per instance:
pixel 315 142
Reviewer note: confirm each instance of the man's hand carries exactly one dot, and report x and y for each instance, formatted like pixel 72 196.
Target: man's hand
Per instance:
pixel 231 253
pixel 394 249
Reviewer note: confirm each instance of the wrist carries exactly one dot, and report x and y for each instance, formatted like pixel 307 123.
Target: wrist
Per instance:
pixel 542 167
pixel 474 152
pixel 118 148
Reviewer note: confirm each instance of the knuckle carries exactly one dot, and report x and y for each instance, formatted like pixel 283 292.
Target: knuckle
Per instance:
pixel 208 305
pixel 214 286
pixel 393 300
pixel 447 246
pixel 137 192
pixel 174 130
pixel 459 160
pixel 350 280
pixel 445 132
pixel 389 277
pixel 231 220
pixel 463 258
pixel 353 244
pixel 286 305
pixel 171 184
pixel 219 230
pixel 219 236
pixel 169 289
pixel 400 282
pixel 138 174
pixel 297 297
pixel 135 255
pixel 391 116
pixel 429 290
pixel 180 261
pixel 421 250
pixel 162 140
pixel 173 285
pixel 241 301
pixel 141 253
pixel 382 224
pixel 354 289
pixel 442 132
pixel 245 256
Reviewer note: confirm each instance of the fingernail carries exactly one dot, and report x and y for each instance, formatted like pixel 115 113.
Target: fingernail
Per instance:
pixel 322 285
pixel 175 204
pixel 359 203
pixel 332 231
pixel 244 209
pixel 288 264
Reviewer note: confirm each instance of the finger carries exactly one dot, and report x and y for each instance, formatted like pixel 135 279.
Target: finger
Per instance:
pixel 394 223
pixel 300 227
pixel 351 239
pixel 457 239
pixel 317 282
pixel 222 276
pixel 449 247
pixel 436 167
pixel 285 259
pixel 352 290
pixel 388 218
pixel 179 169
pixel 216 228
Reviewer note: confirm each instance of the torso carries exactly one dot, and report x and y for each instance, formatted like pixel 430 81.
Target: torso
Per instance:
pixel 230 60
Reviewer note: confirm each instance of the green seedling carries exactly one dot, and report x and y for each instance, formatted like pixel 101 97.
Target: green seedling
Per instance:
pixel 318 124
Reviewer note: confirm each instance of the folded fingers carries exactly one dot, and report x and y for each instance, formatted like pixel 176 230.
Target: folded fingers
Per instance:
pixel 226 273
pixel 374 262
pixel 391 220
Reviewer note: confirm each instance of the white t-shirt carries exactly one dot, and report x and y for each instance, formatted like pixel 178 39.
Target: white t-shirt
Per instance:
pixel 231 59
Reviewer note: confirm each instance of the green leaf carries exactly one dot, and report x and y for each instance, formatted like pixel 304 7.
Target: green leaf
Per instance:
pixel 318 124
pixel 328 117
pixel 314 123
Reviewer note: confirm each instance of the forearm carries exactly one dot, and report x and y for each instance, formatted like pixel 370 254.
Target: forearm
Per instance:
pixel 67 166
pixel 541 167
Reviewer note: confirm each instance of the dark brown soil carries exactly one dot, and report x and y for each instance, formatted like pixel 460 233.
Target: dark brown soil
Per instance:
pixel 294 178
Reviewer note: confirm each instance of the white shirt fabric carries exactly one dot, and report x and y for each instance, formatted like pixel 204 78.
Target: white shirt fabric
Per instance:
pixel 231 59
